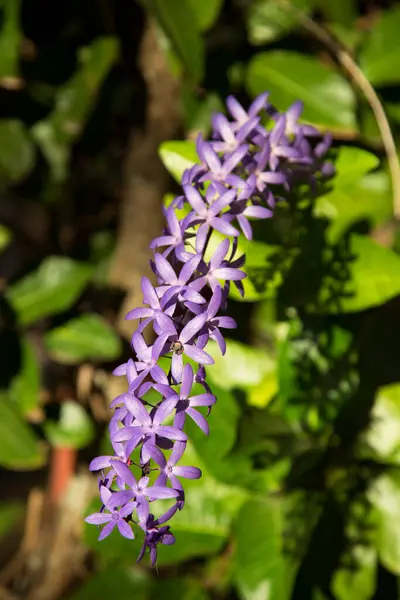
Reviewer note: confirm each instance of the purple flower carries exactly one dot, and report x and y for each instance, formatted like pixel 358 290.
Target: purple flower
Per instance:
pixel 114 517
pixel 218 268
pixel 186 308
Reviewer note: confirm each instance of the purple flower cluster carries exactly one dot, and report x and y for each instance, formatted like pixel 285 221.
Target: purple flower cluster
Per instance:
pixel 252 160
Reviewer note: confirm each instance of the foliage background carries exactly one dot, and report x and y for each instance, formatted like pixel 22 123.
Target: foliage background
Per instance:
pixel 99 104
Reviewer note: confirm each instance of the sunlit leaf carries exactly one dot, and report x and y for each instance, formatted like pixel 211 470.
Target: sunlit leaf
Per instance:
pixel 269 20
pixel 88 337
pixel 385 497
pixel 368 200
pixel 289 76
pixel 380 56
pixel 374 277
pixel 177 157
pixel 241 367
pixel 74 428
pixel 359 581
pixel 260 570
pixel 48 290
pixel 383 435
pixel 19 447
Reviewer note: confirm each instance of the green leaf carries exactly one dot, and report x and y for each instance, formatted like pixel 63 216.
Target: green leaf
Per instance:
pixel 10 45
pixel 206 12
pixel 49 290
pixel 383 435
pixel 9 513
pixel 370 199
pixel 359 581
pixel 73 104
pixel 203 527
pixel 260 568
pixel 17 153
pixel 88 337
pixel 353 196
pixel 374 277
pixel 25 387
pixel 328 98
pixel 198 113
pixel 178 589
pixel 343 12
pixel 74 428
pixel 5 237
pixel 177 157
pixel 242 366
pixel 223 422
pixel 385 497
pixel 122 584
pixel 352 164
pixel 179 22
pixel 268 20
pixel 19 447
pixel 380 56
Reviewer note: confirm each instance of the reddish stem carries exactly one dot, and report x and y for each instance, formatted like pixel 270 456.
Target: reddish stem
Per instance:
pixel 62 467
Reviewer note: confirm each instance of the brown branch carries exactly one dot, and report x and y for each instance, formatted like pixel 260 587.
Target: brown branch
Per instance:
pixel 345 59
pixel 146 180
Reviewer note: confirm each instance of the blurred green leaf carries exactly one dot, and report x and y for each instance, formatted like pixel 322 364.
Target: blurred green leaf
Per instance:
pixel 52 288
pixel 74 429
pixel 177 157
pixel 358 581
pixel 25 387
pixel 223 421
pixel 384 495
pixel 383 435
pixel 73 104
pixel 88 337
pixel 203 527
pixel 265 266
pixel 268 20
pixel 9 513
pixel 19 447
pixel 5 237
pixel 179 22
pixel 178 589
pixel 260 568
pixel 17 153
pixel 241 367
pixel 370 199
pixel 198 113
pixel 206 12
pixel 353 163
pixel 374 277
pixel 10 45
pixel 380 56
pixel 123 584
pixel 289 76
pixel 353 197
pixel 339 11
